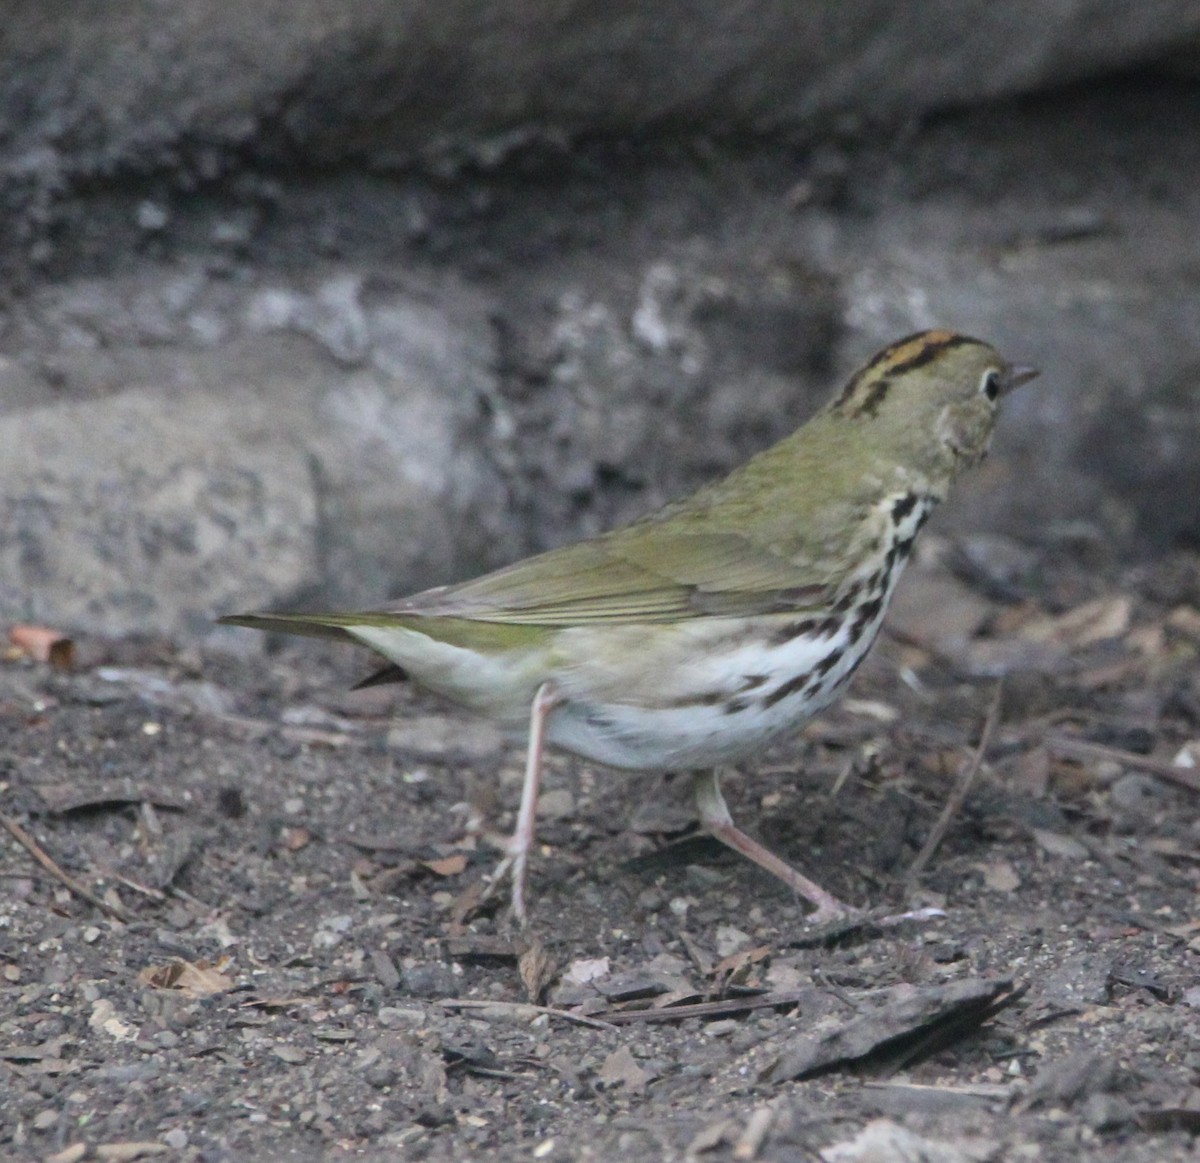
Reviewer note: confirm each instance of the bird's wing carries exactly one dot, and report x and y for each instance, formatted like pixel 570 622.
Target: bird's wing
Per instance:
pixel 647 573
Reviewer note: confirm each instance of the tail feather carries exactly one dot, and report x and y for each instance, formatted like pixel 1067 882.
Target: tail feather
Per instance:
pixel 312 625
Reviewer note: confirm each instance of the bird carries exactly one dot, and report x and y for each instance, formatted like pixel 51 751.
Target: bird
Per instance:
pixel 689 639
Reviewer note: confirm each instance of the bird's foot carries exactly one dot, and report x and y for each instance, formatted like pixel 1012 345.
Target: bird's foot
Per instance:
pixel 514 867
pixel 714 815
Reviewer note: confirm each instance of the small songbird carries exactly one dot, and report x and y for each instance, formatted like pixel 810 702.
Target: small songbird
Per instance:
pixel 692 637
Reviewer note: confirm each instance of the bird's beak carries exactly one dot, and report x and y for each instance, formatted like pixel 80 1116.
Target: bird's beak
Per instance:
pixel 1018 374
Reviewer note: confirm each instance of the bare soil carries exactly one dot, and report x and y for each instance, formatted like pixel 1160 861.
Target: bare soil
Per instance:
pixel 298 972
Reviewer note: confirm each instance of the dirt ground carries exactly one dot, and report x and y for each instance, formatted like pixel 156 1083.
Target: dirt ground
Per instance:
pixel 283 962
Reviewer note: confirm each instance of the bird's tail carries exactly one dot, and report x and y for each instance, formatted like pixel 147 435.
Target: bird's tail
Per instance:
pixel 312 625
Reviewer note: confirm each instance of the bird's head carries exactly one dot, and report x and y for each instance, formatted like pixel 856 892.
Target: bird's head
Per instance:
pixel 929 401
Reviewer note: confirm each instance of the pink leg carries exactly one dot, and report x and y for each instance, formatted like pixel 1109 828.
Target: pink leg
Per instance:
pixel 714 815
pixel 516 859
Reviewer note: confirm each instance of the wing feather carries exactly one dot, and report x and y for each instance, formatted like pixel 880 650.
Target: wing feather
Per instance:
pixel 646 573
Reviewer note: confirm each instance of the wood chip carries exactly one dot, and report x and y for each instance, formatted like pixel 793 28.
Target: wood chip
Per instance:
pixel 894 1025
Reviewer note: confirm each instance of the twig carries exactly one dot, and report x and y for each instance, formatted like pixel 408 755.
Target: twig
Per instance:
pixel 520 1008
pixel 155 894
pixel 840 782
pixel 172 891
pixel 118 912
pixel 962 789
pixel 707 1009
pixel 1083 749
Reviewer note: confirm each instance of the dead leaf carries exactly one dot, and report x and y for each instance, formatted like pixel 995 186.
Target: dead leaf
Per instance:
pixel 537 969
pixel 451 865
pixel 620 1068
pixel 43 644
pixel 192 980
pixel 1094 621
pixel 735 969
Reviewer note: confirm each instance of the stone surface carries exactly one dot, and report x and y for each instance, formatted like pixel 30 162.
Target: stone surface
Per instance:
pixel 248 471
pixel 90 91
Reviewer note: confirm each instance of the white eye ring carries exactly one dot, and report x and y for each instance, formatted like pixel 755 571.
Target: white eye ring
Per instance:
pixel 990 384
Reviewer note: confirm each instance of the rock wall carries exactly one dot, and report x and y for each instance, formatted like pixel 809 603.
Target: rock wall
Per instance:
pixel 230 382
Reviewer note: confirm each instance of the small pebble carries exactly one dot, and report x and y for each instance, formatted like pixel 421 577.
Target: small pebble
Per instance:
pixel 429 979
pixel 556 804
pixel 381 1075
pixel 391 1016
pixel 730 939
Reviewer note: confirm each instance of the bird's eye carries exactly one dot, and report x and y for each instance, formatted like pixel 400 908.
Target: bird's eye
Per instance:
pixel 990 385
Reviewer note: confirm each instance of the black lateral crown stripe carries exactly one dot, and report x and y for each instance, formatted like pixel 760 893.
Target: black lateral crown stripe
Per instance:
pixel 930 351
pixel 874 397
pixel 929 345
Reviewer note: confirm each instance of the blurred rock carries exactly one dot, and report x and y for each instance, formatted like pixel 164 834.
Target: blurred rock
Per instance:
pixel 1143 451
pixel 472 80
pixel 256 471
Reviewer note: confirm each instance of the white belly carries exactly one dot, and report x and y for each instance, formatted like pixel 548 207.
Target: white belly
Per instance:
pixel 729 708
